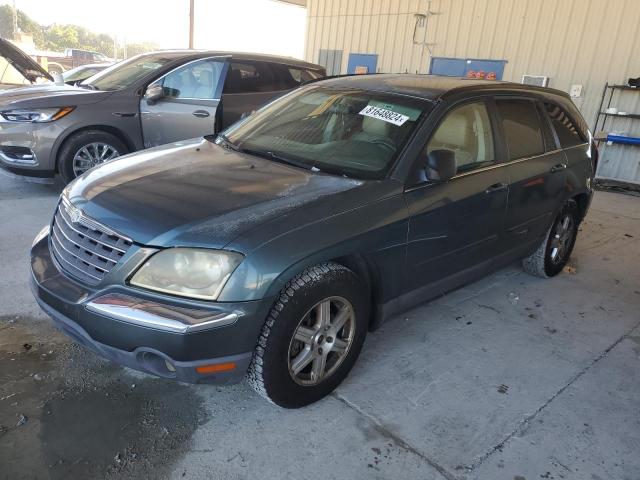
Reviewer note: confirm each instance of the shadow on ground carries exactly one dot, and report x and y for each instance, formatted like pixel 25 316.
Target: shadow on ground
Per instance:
pixel 66 414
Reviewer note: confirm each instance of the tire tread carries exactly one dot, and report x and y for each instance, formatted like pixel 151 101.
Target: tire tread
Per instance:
pixel 255 373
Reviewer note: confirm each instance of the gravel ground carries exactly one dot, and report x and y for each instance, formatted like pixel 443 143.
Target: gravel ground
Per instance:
pixel 512 377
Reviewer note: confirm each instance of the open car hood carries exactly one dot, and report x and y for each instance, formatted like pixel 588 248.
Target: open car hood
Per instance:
pixel 22 62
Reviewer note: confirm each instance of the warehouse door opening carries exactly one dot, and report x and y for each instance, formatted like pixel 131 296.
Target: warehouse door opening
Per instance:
pixel 467 67
pixel 331 60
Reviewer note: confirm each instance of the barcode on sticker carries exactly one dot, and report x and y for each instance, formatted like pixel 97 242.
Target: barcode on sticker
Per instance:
pixel 384 115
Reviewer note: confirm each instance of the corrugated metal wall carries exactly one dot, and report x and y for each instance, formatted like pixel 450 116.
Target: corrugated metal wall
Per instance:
pixel 586 42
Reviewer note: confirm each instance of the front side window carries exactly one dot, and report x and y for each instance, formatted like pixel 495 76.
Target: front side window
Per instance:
pixel 126 73
pixel 467 132
pixel 565 128
pixel 346 132
pixel 521 126
pixel 197 80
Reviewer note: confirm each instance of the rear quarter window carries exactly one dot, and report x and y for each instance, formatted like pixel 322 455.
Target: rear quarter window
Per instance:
pixel 521 127
pixel 568 132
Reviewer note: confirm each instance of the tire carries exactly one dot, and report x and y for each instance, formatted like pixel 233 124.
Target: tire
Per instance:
pixel 271 372
pixel 86 139
pixel 542 262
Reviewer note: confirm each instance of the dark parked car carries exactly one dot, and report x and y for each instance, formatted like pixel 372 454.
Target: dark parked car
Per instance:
pixel 273 248
pixel 148 100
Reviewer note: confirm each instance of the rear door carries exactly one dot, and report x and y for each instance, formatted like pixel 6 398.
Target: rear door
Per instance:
pixel 188 108
pixel 457 225
pixel 537 170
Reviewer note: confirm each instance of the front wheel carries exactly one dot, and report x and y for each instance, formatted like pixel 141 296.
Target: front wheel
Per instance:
pixel 87 149
pixel 556 247
pixel 311 338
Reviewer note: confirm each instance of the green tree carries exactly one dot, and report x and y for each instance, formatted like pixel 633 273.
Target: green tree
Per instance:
pixel 137 48
pixel 59 37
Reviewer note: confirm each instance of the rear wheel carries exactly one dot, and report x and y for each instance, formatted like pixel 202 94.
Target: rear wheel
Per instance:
pixel 87 149
pixel 312 337
pixel 555 249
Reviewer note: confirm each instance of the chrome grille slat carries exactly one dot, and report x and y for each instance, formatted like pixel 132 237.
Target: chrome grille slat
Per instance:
pixel 85 249
pixel 68 262
pixel 61 244
pixel 82 243
pixel 88 231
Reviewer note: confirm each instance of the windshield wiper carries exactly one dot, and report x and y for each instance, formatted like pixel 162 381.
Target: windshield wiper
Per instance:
pixel 269 155
pixel 226 143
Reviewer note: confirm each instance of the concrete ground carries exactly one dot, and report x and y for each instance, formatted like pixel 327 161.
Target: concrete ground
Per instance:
pixel 512 377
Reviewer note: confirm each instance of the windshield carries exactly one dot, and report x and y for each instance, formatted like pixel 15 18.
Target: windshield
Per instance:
pixel 351 132
pixel 125 74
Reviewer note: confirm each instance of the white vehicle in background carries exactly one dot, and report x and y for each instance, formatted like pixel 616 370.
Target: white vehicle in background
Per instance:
pixel 81 73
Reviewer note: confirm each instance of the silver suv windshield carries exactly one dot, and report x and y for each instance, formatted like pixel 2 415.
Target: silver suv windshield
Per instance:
pixel 357 133
pixel 124 74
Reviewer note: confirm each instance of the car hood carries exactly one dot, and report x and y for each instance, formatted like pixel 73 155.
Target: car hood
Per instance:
pixel 23 62
pixel 49 95
pixel 196 193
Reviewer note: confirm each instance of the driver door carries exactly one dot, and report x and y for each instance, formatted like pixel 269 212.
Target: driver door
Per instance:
pixel 188 105
pixel 455 226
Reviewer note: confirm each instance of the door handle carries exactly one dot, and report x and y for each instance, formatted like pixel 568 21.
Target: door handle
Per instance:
pixel 558 168
pixel 201 114
pixel 496 187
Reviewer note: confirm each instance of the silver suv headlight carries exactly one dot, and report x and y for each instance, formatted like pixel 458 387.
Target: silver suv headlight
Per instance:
pixel 36 115
pixel 189 272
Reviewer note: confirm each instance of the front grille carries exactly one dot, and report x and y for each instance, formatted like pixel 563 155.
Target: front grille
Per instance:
pixel 84 248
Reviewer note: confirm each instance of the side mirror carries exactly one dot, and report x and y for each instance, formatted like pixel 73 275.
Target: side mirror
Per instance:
pixel 441 165
pixel 153 93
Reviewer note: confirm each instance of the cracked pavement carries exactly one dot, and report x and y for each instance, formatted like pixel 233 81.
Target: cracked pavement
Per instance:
pixel 511 377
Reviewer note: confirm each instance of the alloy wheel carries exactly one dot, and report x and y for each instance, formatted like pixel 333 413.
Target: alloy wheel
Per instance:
pixel 561 238
pixel 321 341
pixel 91 155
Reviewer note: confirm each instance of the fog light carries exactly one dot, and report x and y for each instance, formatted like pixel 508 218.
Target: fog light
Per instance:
pixel 216 367
pixel 22 155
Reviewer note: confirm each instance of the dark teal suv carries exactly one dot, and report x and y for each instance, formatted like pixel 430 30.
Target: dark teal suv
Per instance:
pixel 270 250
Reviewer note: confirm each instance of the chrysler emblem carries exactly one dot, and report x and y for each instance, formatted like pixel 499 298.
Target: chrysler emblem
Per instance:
pixel 75 214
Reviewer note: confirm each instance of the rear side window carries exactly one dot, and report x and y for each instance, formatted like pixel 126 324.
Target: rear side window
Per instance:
pixel 251 77
pixel 301 75
pixel 286 77
pixel 521 126
pixel 565 128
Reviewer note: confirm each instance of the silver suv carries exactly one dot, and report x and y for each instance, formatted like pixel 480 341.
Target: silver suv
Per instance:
pixel 148 100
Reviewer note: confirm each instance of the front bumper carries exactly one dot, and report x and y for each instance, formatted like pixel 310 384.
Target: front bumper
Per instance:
pixel 159 348
pixel 38 138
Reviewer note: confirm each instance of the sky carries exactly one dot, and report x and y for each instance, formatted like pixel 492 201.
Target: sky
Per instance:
pixel 263 26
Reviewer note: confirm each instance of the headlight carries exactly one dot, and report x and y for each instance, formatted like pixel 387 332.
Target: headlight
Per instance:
pixel 40 115
pixel 189 272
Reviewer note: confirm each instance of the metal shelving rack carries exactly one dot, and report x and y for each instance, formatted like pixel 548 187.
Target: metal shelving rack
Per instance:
pixel 610 89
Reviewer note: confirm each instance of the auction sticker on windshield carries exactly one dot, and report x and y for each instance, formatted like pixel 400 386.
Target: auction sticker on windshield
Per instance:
pixel 384 114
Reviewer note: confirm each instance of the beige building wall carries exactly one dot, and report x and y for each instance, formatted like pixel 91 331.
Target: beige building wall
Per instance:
pixel 573 42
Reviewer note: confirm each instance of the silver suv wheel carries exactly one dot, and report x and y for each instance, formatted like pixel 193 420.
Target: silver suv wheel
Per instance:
pixel 93 154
